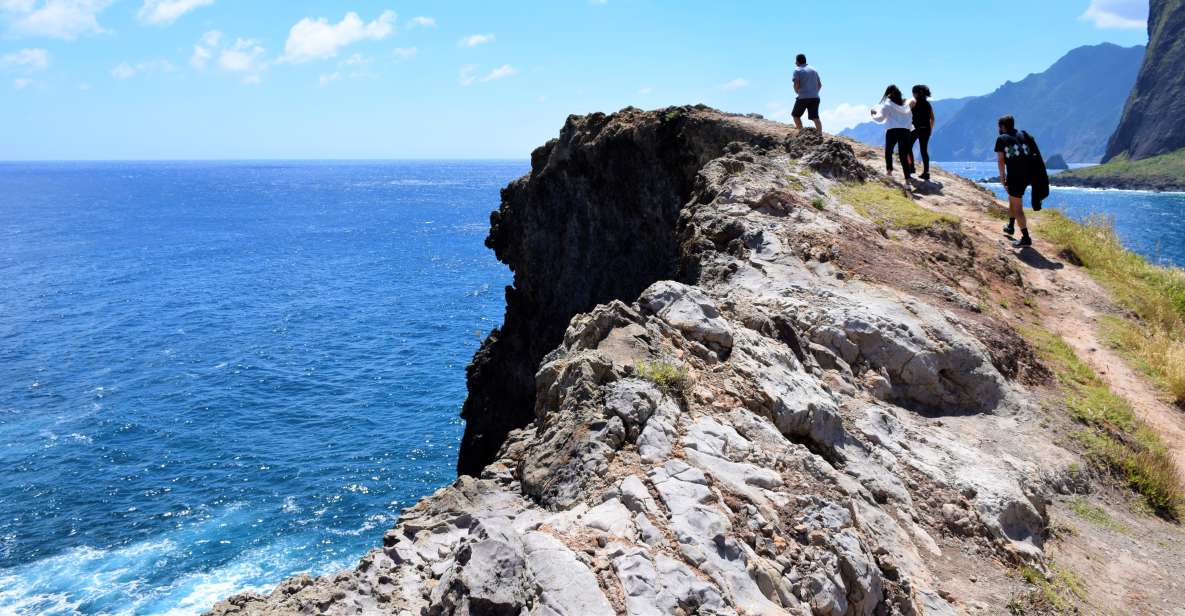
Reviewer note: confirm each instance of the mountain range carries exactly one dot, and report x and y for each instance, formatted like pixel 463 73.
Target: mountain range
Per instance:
pixel 1071 108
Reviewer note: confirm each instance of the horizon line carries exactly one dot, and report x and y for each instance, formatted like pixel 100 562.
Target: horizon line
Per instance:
pixel 250 160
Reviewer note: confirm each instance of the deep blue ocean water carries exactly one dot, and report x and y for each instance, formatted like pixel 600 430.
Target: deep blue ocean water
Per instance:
pixel 213 376
pixel 216 375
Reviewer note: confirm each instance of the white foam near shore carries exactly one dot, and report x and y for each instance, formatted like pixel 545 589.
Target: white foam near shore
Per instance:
pixel 135 579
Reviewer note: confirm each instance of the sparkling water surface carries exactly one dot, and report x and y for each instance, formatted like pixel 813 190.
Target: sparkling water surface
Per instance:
pixel 215 375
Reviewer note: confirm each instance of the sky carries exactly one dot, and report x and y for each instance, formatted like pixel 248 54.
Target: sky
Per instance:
pixel 388 79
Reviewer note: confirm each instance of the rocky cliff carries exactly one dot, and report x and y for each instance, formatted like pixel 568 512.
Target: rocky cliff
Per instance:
pixel 1152 119
pixel 741 373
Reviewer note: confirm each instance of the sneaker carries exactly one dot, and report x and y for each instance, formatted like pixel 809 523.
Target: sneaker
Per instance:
pixel 1009 229
pixel 925 176
pixel 1023 241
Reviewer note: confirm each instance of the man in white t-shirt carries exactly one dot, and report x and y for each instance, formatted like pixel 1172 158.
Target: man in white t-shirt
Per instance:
pixel 807 85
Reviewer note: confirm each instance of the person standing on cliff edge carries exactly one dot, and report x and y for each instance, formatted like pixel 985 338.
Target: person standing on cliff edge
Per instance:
pixel 806 85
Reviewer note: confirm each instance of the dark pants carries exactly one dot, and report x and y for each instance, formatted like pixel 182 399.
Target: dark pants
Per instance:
pixel 901 139
pixel 922 137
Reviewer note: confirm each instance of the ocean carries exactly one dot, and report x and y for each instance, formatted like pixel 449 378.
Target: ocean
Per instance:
pixel 217 375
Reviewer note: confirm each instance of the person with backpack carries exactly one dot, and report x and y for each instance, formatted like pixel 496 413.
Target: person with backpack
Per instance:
pixel 898 120
pixel 1021 166
pixel 806 88
pixel 923 126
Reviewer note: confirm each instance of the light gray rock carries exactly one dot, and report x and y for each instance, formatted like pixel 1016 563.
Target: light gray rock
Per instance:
pixel 563 585
pixel 690 311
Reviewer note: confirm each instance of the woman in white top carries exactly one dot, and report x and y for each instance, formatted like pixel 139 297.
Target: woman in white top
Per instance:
pixel 898 120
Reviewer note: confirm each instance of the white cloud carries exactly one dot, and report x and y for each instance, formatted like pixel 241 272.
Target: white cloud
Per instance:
pixel 1117 13
pixel 62 19
pixel 125 70
pixel 356 60
pixel 245 56
pixel 421 22
pixel 502 71
pixel 17 6
pixel 25 61
pixel 645 90
pixel 21 83
pixel 404 53
pixel 843 115
pixel 165 12
pixel 325 80
pixel 468 75
pixel 735 84
pixel 473 40
pixel 317 39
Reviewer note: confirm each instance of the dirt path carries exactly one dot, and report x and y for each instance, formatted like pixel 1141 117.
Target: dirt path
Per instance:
pixel 1072 307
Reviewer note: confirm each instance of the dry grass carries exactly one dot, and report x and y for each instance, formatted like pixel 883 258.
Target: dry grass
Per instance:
pixel 887 206
pixel 1056 594
pixel 1155 294
pixel 1114 437
pixel 670 377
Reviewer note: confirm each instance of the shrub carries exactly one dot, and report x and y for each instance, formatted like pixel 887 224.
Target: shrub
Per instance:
pixel 670 377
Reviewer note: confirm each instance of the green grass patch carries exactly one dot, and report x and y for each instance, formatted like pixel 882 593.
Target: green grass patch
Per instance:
pixel 1114 438
pixel 670 377
pixel 1056 595
pixel 886 205
pixel 818 203
pixel 1165 170
pixel 1096 515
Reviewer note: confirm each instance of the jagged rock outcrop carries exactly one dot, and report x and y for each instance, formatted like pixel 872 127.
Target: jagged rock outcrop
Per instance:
pixel 735 425
pixel 1151 122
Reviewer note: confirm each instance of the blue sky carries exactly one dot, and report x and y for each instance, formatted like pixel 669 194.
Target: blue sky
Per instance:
pixel 227 79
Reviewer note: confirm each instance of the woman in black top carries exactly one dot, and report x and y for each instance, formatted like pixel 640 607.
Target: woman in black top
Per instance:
pixel 923 125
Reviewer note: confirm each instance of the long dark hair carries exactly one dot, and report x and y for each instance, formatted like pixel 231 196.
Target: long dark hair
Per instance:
pixel 893 93
pixel 921 92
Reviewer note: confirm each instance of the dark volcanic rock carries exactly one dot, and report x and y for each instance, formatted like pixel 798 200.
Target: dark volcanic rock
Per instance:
pixel 1056 162
pixel 594 221
pixel 1152 120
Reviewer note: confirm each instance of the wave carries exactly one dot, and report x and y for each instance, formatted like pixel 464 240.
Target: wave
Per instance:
pixel 164 575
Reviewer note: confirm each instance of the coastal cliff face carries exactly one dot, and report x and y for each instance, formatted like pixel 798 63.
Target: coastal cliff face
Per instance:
pixel 594 221
pixel 1151 123
pixel 763 397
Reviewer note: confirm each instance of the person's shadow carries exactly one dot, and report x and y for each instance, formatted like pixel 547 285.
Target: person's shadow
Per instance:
pixel 926 187
pixel 1034 259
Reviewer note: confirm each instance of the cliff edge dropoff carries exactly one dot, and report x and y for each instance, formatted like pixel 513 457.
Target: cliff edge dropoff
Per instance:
pixel 742 372
pixel 1152 119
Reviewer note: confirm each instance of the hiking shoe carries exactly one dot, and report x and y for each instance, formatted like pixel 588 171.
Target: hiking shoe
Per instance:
pixel 1009 229
pixel 1023 241
pixel 925 176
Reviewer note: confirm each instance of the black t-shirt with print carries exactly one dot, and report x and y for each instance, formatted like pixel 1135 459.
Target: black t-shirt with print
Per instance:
pixel 1016 153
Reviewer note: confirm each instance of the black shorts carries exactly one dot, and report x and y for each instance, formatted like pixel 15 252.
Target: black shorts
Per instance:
pixel 809 105
pixel 1016 187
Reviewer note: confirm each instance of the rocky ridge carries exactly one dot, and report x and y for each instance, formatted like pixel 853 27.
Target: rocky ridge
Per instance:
pixel 1151 122
pixel 762 403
